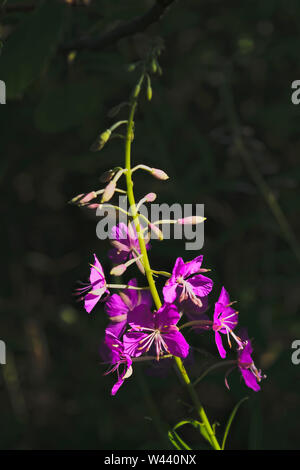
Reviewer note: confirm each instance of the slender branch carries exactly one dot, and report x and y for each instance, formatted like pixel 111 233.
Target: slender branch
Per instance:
pixel 129 28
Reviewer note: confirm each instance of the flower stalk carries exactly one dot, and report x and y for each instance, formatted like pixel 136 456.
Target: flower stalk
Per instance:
pixel 148 271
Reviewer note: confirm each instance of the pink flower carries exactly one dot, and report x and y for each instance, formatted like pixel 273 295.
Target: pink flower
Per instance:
pixel 119 305
pixel 158 329
pixel 186 282
pixel 225 320
pixel 125 244
pixel 96 288
pixel 251 375
pixel 118 358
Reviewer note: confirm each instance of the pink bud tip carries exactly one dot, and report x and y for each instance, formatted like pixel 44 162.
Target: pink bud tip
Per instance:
pixel 93 206
pixel 195 219
pixel 150 197
pixel 118 270
pixel 75 199
pixel 88 197
pixel 159 174
pixel 157 231
pixel 109 191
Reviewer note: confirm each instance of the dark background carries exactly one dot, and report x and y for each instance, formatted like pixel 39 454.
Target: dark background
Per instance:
pixel 227 72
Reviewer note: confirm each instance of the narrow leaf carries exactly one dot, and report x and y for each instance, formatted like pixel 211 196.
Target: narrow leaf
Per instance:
pixel 231 418
pixel 173 441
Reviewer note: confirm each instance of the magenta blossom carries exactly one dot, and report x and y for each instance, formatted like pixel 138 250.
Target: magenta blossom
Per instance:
pixel 186 282
pixel 118 358
pixel 225 320
pixel 96 288
pixel 125 244
pixel 158 329
pixel 251 375
pixel 118 306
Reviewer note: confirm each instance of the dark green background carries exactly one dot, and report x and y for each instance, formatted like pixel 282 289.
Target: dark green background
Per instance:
pixel 52 392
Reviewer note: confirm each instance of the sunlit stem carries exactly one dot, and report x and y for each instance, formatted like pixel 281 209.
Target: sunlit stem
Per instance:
pixel 125 286
pixel 116 125
pixel 161 273
pixel 165 221
pixel 151 358
pixel 213 367
pixel 117 190
pixel 141 167
pixel 196 322
pixel 148 271
pixel 111 206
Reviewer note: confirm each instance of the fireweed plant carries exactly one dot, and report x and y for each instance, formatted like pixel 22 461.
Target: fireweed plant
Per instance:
pixel 144 325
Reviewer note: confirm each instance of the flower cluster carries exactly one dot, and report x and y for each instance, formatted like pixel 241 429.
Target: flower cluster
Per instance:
pixel 135 329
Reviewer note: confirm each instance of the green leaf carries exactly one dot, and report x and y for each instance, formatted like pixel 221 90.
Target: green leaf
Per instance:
pixel 171 435
pixel 29 48
pixel 197 425
pixel 173 440
pixel 68 105
pixel 231 418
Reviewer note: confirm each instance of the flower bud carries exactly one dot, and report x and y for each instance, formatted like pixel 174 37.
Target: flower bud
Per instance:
pixel 88 197
pixel 76 198
pixel 149 92
pixel 192 220
pixel 131 67
pixel 154 66
pixel 109 191
pixel 107 176
pixel 116 109
pixel 150 197
pixel 101 141
pixel 159 174
pixel 93 206
pixel 118 270
pixel 157 231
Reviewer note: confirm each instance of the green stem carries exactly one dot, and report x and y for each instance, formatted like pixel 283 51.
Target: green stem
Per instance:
pixel 146 263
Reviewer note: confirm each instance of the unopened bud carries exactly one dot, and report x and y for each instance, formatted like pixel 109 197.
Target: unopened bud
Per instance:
pixel 150 197
pixel 76 198
pixel 149 92
pixel 88 197
pixel 107 176
pixel 115 110
pixel 159 174
pixel 149 88
pixel 101 141
pixel 131 67
pixel 71 56
pixel 157 231
pixel 118 270
pixel 192 220
pixel 109 191
pixel 93 206
pixel 154 66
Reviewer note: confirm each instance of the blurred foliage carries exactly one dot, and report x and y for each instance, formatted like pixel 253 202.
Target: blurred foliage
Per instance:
pixel 52 392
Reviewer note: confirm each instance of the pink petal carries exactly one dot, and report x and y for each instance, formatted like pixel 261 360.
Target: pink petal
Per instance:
pixel 177 344
pixel 219 344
